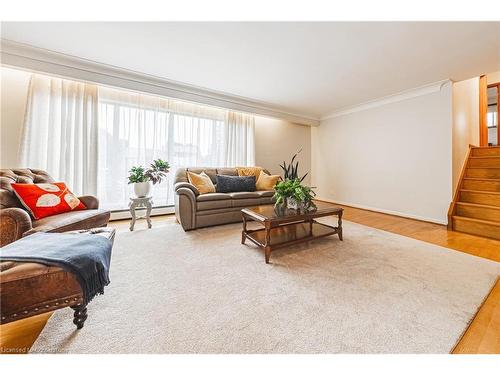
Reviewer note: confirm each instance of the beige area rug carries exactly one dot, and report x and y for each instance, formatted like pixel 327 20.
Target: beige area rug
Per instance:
pixel 203 292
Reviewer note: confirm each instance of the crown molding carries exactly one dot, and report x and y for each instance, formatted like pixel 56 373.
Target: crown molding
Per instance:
pixel 41 60
pixel 398 97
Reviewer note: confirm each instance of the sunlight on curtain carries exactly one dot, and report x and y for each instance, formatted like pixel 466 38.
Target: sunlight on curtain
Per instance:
pixel 90 137
pixel 135 128
pixel 60 131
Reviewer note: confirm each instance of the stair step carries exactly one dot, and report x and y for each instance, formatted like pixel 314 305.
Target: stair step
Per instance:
pixel 482 184
pixel 485 151
pixel 478 211
pixel 483 228
pixel 483 172
pixel 484 162
pixel 490 198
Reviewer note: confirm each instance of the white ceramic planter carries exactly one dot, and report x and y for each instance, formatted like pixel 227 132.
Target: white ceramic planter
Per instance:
pixel 142 189
pixel 292 203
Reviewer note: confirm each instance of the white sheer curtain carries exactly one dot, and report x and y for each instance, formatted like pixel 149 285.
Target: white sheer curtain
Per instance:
pixel 240 130
pixel 90 137
pixel 135 128
pixel 60 131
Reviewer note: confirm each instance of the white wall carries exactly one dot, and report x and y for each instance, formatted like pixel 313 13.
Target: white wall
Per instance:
pixel 13 95
pixel 393 158
pixel 465 122
pixel 278 140
pixel 493 77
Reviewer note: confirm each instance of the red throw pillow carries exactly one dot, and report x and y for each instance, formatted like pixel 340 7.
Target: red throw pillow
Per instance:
pixel 48 199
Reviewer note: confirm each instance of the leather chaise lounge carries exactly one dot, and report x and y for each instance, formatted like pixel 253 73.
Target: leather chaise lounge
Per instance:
pixel 15 221
pixel 26 288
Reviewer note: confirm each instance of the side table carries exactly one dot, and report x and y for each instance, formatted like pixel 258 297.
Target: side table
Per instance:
pixel 139 203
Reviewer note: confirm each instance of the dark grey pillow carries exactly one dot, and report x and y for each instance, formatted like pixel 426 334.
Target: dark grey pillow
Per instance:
pixel 231 184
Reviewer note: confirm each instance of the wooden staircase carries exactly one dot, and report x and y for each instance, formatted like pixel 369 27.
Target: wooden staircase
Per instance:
pixel 476 205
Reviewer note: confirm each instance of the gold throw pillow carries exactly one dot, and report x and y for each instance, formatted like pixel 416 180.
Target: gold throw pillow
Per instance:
pixel 267 182
pixel 202 182
pixel 249 171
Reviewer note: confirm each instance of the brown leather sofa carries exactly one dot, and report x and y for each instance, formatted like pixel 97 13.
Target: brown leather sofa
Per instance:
pixel 194 210
pixel 15 221
pixel 28 289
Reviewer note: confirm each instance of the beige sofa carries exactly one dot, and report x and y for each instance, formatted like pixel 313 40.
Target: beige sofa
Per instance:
pixel 196 211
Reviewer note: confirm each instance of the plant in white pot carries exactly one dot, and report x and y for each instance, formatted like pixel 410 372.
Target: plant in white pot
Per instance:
pixel 143 178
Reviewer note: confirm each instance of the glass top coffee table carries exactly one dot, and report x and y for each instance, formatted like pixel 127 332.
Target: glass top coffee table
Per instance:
pixel 286 226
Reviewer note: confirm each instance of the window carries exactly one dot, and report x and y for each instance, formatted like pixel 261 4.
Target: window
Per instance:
pixel 492 119
pixel 102 132
pixel 135 129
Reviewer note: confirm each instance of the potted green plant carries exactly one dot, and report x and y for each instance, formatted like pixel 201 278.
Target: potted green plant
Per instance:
pixel 291 192
pixel 143 178
pixel 294 195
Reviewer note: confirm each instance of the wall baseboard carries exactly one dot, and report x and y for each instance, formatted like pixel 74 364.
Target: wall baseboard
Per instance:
pixel 125 214
pixel 384 211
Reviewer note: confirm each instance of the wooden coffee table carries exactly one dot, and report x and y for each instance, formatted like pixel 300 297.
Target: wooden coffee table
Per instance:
pixel 287 227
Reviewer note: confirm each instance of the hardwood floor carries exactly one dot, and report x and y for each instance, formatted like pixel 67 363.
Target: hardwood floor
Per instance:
pixel 482 336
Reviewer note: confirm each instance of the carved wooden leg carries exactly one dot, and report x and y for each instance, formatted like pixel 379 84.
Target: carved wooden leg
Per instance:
pixel 268 253
pixel 340 227
pixel 267 247
pixel 243 237
pixel 80 315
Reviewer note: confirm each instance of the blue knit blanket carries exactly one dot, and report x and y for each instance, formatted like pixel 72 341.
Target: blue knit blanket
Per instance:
pixel 85 256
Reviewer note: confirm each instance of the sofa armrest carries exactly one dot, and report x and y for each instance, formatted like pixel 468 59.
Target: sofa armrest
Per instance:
pixel 185 208
pixel 90 201
pixel 182 185
pixel 14 222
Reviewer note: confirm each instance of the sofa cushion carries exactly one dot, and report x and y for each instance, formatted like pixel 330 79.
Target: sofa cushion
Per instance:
pixel 213 201
pixel 210 172
pixel 73 220
pixel 212 197
pixel 213 205
pixel 227 171
pixel 228 184
pixel 245 194
pixel 247 202
pixel 47 199
pixel 265 193
pixel 201 182
pixel 267 182
pixel 249 171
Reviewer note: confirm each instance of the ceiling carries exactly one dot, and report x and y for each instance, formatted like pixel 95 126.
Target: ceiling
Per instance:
pixel 308 68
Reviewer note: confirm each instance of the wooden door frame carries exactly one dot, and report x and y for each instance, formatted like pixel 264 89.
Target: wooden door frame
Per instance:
pixel 483 110
pixel 497 85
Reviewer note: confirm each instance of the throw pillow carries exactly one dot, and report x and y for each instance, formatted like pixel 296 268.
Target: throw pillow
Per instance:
pixel 42 200
pixel 267 182
pixel 232 184
pixel 202 182
pixel 249 171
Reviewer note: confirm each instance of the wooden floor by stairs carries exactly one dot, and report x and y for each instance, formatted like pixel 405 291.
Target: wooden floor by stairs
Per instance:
pixel 476 206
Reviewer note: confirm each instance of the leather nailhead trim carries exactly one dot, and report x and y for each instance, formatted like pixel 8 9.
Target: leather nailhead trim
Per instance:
pixel 37 309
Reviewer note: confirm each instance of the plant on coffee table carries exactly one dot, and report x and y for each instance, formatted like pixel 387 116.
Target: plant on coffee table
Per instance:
pixel 294 194
pixel 291 192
